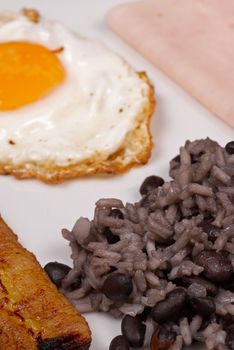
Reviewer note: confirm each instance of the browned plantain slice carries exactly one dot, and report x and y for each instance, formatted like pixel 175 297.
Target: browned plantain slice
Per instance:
pixel 33 314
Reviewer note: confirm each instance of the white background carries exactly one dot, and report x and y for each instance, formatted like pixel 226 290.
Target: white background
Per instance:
pixel 37 212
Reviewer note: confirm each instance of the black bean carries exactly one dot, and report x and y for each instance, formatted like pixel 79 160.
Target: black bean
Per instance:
pixel 146 203
pixel 204 307
pixel 171 307
pixel 193 212
pixel 217 267
pixel 134 330
pixel 56 272
pixel 110 237
pixel 229 148
pixel 112 269
pixel 150 183
pixel 166 334
pixel 212 231
pixel 176 159
pixel 229 284
pixel 230 337
pixel 207 321
pixel 116 213
pixel 146 312
pixel 208 216
pixel 226 321
pixel 76 284
pixel 211 288
pixel 119 343
pixel 162 339
pixel 196 157
pixel 175 163
pixel 117 286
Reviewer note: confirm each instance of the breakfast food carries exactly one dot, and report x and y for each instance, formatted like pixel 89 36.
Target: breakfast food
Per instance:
pixel 166 262
pixel 189 40
pixel 69 106
pixel 34 315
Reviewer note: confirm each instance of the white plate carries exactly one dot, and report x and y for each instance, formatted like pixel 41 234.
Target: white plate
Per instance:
pixel 37 212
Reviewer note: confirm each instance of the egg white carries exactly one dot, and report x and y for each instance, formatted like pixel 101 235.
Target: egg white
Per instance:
pixel 91 112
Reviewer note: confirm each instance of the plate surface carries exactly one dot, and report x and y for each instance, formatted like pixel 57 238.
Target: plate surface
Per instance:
pixel 37 212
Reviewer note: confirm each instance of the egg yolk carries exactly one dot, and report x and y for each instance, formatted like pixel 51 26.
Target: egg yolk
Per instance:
pixel 28 72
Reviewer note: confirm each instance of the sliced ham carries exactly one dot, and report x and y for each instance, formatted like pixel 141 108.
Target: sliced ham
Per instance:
pixel 192 41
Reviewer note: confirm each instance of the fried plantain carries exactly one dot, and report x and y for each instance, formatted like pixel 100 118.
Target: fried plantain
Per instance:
pixel 33 314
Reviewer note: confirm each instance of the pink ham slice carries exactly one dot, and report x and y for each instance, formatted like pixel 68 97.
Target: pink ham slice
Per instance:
pixel 190 40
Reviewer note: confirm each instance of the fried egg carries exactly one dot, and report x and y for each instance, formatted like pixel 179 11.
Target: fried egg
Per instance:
pixel 69 106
